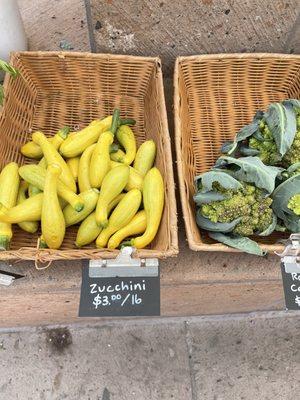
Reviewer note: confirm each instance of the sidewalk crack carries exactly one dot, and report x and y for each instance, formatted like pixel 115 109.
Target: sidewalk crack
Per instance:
pixel 189 345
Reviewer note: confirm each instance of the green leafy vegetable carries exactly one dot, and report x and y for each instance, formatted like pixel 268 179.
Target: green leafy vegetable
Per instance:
pixel 286 203
pixel 241 243
pixel 206 180
pixel 251 170
pixel 273 136
pixel 10 70
pixel 281 120
pixel 207 224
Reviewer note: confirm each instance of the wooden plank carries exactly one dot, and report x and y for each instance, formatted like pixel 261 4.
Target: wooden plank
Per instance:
pixel 55 25
pixel 192 284
pixel 60 306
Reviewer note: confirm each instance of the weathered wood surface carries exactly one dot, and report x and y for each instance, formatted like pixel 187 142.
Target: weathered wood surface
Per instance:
pixel 192 284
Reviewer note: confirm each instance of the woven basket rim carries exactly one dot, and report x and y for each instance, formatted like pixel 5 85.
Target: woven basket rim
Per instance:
pixel 235 55
pixel 87 54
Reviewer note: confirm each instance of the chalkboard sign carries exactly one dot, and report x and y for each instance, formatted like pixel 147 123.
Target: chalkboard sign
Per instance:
pixel 113 294
pixel 291 285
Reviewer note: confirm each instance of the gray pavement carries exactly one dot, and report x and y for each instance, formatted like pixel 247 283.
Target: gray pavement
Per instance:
pixel 232 357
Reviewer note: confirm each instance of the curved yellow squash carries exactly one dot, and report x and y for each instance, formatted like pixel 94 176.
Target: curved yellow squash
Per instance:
pixel 53 222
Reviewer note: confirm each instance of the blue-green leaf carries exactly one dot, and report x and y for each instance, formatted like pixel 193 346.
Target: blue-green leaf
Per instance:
pixel 238 242
pixel 282 195
pixel 292 102
pixel 248 130
pixel 281 120
pixel 208 225
pixel 228 147
pixel 248 151
pixel 207 197
pixel 292 222
pixel 207 179
pixel 251 170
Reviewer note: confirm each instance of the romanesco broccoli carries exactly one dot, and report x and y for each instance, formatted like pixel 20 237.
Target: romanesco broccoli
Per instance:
pixel 267 148
pixel 265 145
pixel 294 204
pixel 248 203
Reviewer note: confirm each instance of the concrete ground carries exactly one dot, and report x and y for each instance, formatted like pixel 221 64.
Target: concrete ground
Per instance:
pixel 232 357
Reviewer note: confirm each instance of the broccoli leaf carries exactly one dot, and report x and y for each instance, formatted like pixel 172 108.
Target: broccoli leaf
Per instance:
pixel 292 223
pixel 271 228
pixel 245 132
pixel 251 170
pixel 292 102
pixel 206 180
pixel 207 197
pixel 207 224
pixel 238 242
pixel 248 151
pixel 282 195
pixel 228 147
pixel 281 120
pixel 294 168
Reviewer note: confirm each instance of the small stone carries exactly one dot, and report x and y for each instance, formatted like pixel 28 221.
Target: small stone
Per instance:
pixel 98 25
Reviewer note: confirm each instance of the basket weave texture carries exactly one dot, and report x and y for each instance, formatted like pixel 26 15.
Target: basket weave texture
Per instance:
pixel 68 88
pixel 216 95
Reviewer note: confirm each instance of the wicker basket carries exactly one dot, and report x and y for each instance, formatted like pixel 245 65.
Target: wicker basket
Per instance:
pixel 66 88
pixel 215 95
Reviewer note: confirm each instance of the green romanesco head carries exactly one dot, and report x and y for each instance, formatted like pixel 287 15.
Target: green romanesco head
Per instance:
pixel 266 145
pixel 294 204
pixel 268 150
pixel 247 203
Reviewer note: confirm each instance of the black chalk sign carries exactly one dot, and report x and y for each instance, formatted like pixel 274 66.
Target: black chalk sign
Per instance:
pixel 119 296
pixel 291 285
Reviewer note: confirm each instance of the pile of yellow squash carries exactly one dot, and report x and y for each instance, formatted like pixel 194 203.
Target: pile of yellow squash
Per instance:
pixel 96 177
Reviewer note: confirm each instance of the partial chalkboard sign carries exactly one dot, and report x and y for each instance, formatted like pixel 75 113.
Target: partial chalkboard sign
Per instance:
pixel 113 294
pixel 291 285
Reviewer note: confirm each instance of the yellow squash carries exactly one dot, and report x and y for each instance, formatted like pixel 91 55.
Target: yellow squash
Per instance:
pixel 121 216
pixel 118 156
pixel 56 141
pixel 33 150
pixel 36 176
pixel 53 157
pixel 153 199
pixel 53 222
pixel 84 169
pixel 29 210
pixel 76 144
pixel 73 164
pixel 89 198
pixel 89 230
pixel 9 187
pixel 126 138
pixel 100 160
pixel 113 184
pixel 136 226
pixel 27 226
pixel 145 157
pixel 135 180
